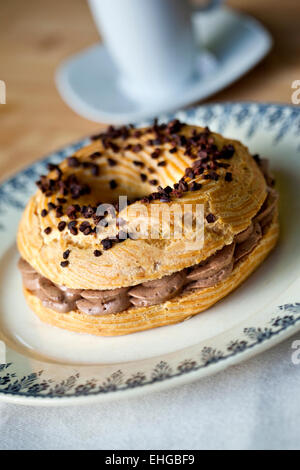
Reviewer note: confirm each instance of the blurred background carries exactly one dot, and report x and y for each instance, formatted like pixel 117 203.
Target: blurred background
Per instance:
pixel 37 35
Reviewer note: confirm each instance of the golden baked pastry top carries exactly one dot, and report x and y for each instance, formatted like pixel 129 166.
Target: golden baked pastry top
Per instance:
pixel 57 231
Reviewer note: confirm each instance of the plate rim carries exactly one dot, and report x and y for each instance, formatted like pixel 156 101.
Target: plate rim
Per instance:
pixel 186 377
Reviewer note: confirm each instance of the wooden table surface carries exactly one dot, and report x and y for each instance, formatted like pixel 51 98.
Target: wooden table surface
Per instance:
pixel 37 35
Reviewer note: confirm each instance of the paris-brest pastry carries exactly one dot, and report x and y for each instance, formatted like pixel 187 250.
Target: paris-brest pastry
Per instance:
pixel 77 277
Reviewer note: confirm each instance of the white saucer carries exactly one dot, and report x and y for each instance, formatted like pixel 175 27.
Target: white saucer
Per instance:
pixel 232 44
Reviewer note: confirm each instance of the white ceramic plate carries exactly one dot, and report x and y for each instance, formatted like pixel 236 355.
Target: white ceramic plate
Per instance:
pixel 46 365
pixel 230 44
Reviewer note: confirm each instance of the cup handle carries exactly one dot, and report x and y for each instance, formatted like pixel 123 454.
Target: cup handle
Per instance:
pixel 211 5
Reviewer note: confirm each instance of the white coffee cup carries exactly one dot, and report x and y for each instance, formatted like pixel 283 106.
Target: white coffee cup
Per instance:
pixel 151 43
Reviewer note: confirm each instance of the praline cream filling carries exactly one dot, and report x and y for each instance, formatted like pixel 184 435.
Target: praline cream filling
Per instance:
pixel 208 273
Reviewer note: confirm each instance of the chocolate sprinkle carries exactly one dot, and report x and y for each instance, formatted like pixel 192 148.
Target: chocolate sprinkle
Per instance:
pixel 62 225
pixel 64 264
pixel 95 155
pixel 115 148
pixel 113 184
pixel 183 186
pixel 106 243
pixel 66 254
pixel 138 163
pixel 97 253
pixel 189 173
pixel 227 151
pixel 111 162
pixel 143 177
pixel 95 169
pixel 72 227
pixel 48 230
pixel 72 211
pixel 76 188
pixel 51 206
pixel 59 212
pixel 87 211
pixel 44 212
pixel 210 218
pixel 223 165
pixel 137 148
pixel 155 154
pixel 177 193
pixel 145 200
pixel 195 186
pixel 228 177
pixel 211 176
pixel 257 158
pixel 73 162
pixel 202 154
pixel 137 133
pixel 52 166
pixel 84 225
